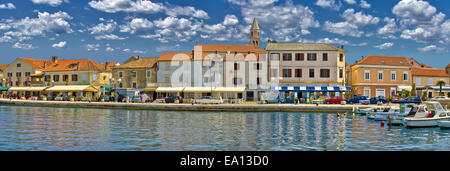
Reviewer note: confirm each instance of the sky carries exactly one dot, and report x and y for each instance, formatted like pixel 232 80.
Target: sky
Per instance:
pixel 114 30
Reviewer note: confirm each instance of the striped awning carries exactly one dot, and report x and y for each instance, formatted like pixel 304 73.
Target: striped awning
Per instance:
pixel 170 89
pixel 27 88
pixel 4 88
pixel 74 88
pixel 311 89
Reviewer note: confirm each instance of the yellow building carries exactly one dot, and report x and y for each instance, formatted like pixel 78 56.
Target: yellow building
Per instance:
pixel 425 80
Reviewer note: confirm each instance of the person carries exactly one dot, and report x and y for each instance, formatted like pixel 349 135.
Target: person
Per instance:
pixel 112 98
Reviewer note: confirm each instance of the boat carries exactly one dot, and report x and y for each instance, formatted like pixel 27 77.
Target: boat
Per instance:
pixel 428 114
pixel 401 111
pixel 380 109
pixel 444 124
pixel 370 109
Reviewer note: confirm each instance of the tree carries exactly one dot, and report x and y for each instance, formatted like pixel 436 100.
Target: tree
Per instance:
pixel 413 91
pixel 440 83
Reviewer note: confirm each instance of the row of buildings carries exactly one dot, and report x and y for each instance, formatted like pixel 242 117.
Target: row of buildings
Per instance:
pixel 300 70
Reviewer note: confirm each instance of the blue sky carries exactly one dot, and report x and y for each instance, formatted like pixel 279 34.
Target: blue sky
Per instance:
pixel 114 30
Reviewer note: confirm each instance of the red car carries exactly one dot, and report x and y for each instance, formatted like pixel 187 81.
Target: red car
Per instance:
pixel 334 100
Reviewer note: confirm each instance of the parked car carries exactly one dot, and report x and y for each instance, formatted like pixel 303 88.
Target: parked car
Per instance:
pixel 411 99
pixel 172 99
pixel 358 99
pixel 375 100
pixel 138 99
pixel 207 100
pixel 273 100
pixel 440 98
pixel 334 100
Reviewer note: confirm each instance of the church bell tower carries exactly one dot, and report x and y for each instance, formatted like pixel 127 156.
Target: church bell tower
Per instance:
pixel 254 34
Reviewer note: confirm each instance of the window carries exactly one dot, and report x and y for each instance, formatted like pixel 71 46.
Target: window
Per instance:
pixel 19 65
pixel 393 75
pixel 275 57
pixel 257 66
pixel 287 56
pixel 298 73
pixel 299 57
pixel 236 66
pixel 120 85
pixel 149 73
pixel 134 74
pixel 18 74
pixel 380 92
pixel 341 57
pixel 46 78
pixel 27 74
pixel 56 78
pixel 430 81
pixel 274 73
pixel 418 81
pixel 120 74
pixel 380 75
pixel 84 77
pixel 134 85
pixel 324 73
pixel 258 80
pixel 367 75
pixel 74 77
pixel 65 77
pixel 405 76
pixel 311 73
pixel 94 77
pixel 325 57
pixel 10 74
pixel 367 91
pixel 237 81
pixel 341 73
pixel 312 56
pixel 287 73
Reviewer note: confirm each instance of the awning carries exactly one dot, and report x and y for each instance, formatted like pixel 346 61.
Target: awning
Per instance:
pixel 198 89
pixel 27 88
pixel 444 88
pixel 170 89
pixel 401 88
pixel 150 89
pixel 76 88
pixel 4 88
pixel 312 89
pixel 229 89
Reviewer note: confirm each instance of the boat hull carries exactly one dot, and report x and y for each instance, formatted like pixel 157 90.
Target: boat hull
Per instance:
pixel 395 121
pixel 444 124
pixel 423 122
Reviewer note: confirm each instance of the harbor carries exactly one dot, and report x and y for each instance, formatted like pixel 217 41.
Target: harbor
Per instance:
pixel 246 107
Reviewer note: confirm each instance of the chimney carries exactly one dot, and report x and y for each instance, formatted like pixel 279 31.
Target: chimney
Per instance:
pixel 106 65
pixel 55 59
pixel 193 56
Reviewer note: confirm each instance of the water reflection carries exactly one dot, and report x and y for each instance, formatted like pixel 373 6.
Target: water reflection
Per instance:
pixel 35 128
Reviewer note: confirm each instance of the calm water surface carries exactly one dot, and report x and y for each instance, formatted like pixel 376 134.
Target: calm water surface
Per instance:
pixel 36 128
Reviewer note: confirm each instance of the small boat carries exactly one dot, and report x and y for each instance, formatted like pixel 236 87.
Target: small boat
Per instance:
pixel 401 111
pixel 444 124
pixel 428 115
pixel 378 109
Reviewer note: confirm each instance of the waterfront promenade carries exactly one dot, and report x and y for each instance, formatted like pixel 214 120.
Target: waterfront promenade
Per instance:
pixel 246 107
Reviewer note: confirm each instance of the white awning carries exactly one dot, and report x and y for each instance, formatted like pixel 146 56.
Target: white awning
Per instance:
pixel 27 88
pixel 198 89
pixel 75 88
pixel 401 88
pixel 318 88
pixel 291 88
pixel 170 89
pixel 330 88
pixel 303 88
pixel 229 89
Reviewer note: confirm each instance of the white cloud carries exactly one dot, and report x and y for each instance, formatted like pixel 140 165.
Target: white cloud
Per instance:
pixel 364 4
pixel 359 18
pixel 188 11
pixel 109 49
pixel 179 29
pixel 414 11
pixel 23 46
pixel 230 20
pixel 169 48
pixel 389 28
pixel 126 50
pixel 7 6
pixel 329 4
pixel 53 3
pixel 93 47
pixel 109 37
pixel 103 28
pixel 62 44
pixel 4 26
pixel 262 3
pixel 351 25
pixel 350 1
pixel 137 25
pixel 432 48
pixel 55 23
pixel 343 28
pixel 139 51
pixel 384 46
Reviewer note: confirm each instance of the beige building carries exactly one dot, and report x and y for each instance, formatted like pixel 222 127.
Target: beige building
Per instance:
pixel 375 76
pixel 20 71
pixel 137 74
pixel 425 80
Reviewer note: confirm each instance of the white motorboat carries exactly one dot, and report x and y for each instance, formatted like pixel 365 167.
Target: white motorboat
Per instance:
pixel 428 115
pixel 444 124
pixel 367 110
pixel 380 109
pixel 401 111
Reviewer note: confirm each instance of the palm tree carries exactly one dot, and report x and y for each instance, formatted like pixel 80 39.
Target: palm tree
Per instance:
pixel 440 83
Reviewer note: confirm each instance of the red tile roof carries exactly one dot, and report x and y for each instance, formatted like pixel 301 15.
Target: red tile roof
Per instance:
pixel 76 65
pixel 37 63
pixel 2 67
pixel 431 72
pixel 384 60
pixel 175 56
pixel 231 48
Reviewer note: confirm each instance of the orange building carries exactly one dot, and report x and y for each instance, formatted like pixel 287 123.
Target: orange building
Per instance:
pixel 376 75
pixel 426 79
